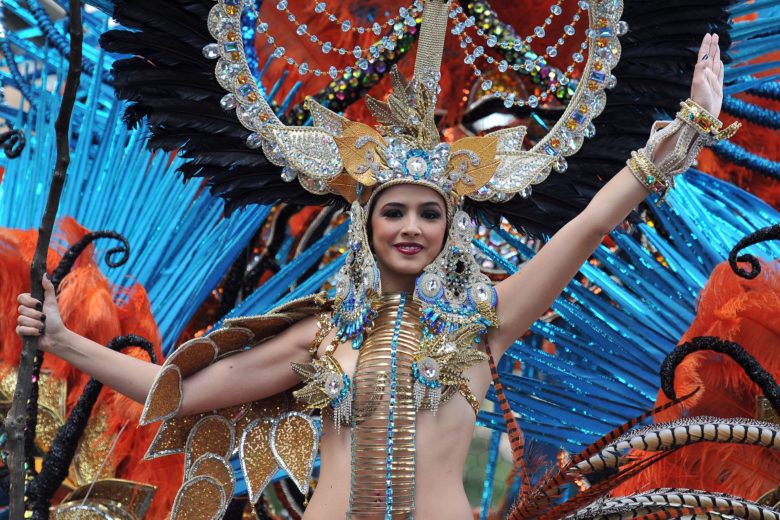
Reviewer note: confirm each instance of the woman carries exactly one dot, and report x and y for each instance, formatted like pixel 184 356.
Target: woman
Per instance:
pixel 379 397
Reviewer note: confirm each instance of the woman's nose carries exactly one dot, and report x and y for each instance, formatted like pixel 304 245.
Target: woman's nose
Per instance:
pixel 411 226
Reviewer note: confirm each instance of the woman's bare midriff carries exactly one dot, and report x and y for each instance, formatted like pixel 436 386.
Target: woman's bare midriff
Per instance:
pixel 442 445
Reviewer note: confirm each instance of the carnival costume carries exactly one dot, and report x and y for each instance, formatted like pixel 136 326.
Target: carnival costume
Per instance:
pixel 427 372
pixel 413 348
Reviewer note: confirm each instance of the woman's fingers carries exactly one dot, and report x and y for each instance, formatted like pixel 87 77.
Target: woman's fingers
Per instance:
pixel 24 321
pixel 28 301
pixel 28 331
pixel 717 64
pixel 31 313
pixel 704 49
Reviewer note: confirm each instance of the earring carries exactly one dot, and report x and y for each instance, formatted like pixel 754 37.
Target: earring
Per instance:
pixel 458 305
pixel 357 284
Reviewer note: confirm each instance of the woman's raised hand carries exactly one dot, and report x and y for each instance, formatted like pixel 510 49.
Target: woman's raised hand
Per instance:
pixel 40 319
pixel 707 85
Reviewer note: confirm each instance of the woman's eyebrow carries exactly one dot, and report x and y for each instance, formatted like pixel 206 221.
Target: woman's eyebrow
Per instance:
pixel 394 205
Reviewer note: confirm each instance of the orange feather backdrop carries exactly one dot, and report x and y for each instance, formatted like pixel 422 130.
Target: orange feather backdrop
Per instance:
pixel 88 306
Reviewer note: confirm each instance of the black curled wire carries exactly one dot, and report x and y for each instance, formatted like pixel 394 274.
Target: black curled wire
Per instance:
pixel 70 256
pixel 748 363
pixel 762 235
pixel 57 461
pixel 12 141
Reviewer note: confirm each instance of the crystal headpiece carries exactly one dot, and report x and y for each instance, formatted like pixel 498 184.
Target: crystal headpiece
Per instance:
pixel 351 159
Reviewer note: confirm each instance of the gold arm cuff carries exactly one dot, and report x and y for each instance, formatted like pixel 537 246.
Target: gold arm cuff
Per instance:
pixel 706 124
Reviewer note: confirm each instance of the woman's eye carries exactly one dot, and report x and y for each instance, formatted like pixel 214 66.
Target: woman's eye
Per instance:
pixel 431 215
pixel 392 213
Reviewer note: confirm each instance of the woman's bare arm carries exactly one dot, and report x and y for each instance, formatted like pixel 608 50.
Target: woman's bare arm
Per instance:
pixel 524 296
pixel 244 377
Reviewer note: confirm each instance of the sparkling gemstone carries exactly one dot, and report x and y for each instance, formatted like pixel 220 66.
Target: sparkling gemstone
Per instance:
pixel 327 47
pixel 533 101
pixel 334 383
pixel 362 63
pixel 577 57
pixel 346 26
pixel 281 5
pixel 357 52
pixel 517 46
pixel 288 174
pixel 583 4
pixel 254 141
pixel 503 65
pixel 568 29
pixel 301 30
pixel 211 51
pixel 492 40
pixel 449 347
pixel 560 165
pixel 552 51
pixel 376 28
pixel 417 166
pixel 539 31
pixel 228 102
pixel 487 84
pixel 463 222
pixel 320 7
pixel 556 9
pixel 622 27
pixel 278 52
pixel 303 68
pixel 429 368
pixel 509 101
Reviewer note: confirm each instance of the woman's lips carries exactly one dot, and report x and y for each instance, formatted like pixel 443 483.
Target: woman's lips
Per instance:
pixel 408 248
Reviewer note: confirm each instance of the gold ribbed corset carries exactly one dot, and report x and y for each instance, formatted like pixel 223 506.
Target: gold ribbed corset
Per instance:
pixel 378 445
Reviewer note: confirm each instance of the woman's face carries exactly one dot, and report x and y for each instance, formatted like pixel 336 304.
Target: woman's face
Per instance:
pixel 408 226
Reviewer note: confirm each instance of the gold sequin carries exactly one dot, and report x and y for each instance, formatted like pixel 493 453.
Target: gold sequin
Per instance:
pixel 294 442
pixel 193 356
pixel 93 448
pixel 230 339
pixel 52 394
pixel 172 436
pixel 216 467
pixel 257 459
pixel 164 397
pixel 201 498
pixel 212 434
pixel 132 497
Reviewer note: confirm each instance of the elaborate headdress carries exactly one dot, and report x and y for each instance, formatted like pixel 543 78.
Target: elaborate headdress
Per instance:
pixel 352 160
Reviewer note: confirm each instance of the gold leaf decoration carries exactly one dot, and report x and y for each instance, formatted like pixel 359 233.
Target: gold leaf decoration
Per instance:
pixel 216 467
pixel 193 356
pixel 200 498
pixel 164 398
pixel 212 434
pixel 258 462
pixel 294 443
